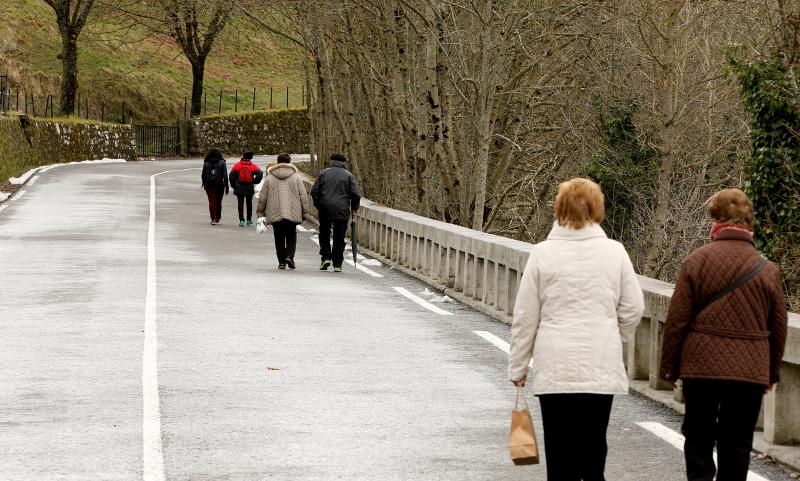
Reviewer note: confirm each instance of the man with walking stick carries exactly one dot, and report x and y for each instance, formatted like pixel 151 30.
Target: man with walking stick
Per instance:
pixel 336 195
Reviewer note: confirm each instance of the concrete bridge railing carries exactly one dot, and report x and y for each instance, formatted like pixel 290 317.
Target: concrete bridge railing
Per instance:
pixel 484 270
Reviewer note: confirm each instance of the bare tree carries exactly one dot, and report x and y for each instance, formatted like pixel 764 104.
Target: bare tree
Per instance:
pixel 194 24
pixel 473 111
pixel 71 16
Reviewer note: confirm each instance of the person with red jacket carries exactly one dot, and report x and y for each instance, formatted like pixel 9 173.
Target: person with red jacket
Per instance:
pixel 244 175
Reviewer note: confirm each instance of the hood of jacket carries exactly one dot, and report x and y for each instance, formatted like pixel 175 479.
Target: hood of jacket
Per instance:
pixel 282 171
pixel 339 164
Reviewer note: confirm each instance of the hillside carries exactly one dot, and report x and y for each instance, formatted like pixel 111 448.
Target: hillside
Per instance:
pixel 146 71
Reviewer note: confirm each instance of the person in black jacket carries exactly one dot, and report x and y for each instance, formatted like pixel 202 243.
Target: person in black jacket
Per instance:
pixel 215 181
pixel 244 175
pixel 336 195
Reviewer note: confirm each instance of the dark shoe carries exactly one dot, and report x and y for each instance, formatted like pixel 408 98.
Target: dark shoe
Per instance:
pixel 282 266
pixel 241 223
pixel 290 263
pixel 323 266
pixel 337 269
pixel 213 222
pixel 249 223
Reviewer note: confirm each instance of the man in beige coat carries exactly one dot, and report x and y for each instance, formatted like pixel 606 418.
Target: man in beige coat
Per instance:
pixel 283 203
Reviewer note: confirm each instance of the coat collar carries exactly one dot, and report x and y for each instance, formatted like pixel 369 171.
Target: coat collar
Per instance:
pixel 339 164
pixel 565 233
pixel 732 234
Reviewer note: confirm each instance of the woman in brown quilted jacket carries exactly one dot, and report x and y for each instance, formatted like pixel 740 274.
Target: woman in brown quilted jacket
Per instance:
pixel 724 339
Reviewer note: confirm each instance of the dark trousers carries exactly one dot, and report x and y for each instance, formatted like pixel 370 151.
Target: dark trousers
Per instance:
pixel 241 199
pixel 215 195
pixel 285 233
pixel 339 230
pixel 724 413
pixel 575 435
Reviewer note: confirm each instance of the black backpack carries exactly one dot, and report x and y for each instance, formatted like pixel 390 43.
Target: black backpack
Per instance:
pixel 214 173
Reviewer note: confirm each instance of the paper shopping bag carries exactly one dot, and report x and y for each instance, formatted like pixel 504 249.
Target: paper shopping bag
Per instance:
pixel 522 439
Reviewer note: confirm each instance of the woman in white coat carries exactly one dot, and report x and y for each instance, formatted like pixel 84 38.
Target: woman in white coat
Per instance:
pixel 578 301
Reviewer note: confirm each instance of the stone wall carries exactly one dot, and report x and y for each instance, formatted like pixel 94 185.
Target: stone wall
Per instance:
pixel 28 143
pixel 16 156
pixel 268 132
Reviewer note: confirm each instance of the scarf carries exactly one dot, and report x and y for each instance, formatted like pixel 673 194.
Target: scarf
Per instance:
pixel 716 229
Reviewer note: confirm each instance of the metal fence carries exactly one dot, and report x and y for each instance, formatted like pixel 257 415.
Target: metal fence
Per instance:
pixel 157 140
pixel 14 98
pixel 5 94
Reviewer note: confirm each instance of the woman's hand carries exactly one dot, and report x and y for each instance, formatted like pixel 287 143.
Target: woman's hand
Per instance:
pixel 768 389
pixel 520 382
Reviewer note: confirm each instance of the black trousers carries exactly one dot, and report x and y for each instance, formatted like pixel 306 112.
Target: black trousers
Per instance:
pixel 241 200
pixel 575 435
pixel 724 413
pixel 339 230
pixel 285 233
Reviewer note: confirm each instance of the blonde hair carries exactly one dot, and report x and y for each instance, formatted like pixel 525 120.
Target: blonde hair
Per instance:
pixel 579 202
pixel 731 207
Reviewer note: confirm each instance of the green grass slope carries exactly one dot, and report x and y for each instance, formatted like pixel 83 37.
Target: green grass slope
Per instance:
pixel 146 71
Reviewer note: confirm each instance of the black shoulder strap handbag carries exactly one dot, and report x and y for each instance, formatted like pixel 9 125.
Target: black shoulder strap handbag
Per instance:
pixel 743 280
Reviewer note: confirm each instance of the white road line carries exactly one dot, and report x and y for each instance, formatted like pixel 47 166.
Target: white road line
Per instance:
pixel 152 449
pixel 676 439
pixel 33 180
pixel 422 302
pixel 499 343
pixel 20 194
pixel 363 269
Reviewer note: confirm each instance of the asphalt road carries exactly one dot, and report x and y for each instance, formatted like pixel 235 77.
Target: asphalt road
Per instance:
pixel 262 374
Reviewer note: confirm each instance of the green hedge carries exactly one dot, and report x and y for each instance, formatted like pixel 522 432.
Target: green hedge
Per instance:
pixel 267 132
pixel 33 143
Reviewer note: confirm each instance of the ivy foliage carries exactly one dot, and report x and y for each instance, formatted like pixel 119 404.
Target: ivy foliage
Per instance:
pixel 772 171
pixel 625 166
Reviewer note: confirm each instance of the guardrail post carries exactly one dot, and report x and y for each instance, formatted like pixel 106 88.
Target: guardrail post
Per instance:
pixel 657 310
pixel 502 288
pixel 480 274
pixel 638 359
pixel 781 409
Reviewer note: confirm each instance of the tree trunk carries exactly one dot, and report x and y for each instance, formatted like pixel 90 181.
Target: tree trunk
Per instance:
pixel 485 98
pixel 312 137
pixel 666 111
pixel 69 70
pixel 198 73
